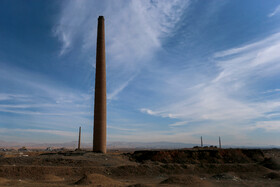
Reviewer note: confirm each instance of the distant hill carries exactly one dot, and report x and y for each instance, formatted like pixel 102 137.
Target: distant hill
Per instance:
pixel 149 145
pixel 110 145
pixel 118 145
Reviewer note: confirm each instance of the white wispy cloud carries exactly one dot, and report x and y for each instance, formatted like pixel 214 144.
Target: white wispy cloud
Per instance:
pixel 113 95
pixel 8 96
pixel 47 131
pixel 276 11
pixel 120 128
pixel 148 111
pixel 272 126
pixel 42 113
pixel 134 30
pixel 229 97
pixel 37 101
pixel 273 90
pixel 255 46
pixel 156 113
pixel 180 123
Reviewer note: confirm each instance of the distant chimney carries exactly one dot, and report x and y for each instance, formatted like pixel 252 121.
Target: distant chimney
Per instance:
pixel 79 140
pixel 201 141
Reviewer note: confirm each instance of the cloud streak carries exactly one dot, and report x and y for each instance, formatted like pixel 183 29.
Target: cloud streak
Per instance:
pixel 272 126
pixel 133 28
pixel 276 11
pixel 38 102
pixel 231 97
pixel 54 132
pixel 134 32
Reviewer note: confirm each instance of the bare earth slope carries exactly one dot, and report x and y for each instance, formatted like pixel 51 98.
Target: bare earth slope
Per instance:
pixel 185 167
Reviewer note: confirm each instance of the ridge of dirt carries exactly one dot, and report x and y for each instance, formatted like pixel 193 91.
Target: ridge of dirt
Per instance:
pixel 271 163
pixel 98 180
pixel 193 156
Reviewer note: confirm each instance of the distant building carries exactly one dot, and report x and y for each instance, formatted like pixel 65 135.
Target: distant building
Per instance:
pixel 3 149
pixel 49 149
pixel 23 149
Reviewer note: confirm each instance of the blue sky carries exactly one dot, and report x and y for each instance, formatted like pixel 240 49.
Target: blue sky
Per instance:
pixel 176 70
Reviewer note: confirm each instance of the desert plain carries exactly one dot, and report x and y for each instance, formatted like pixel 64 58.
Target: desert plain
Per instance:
pixel 182 167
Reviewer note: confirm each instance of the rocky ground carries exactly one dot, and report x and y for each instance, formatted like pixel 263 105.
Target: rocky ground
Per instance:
pixel 185 167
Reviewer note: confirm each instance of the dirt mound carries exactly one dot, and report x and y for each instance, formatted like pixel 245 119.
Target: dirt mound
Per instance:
pixel 193 156
pixel 98 180
pixel 186 180
pixel 84 181
pixel 271 163
pixel 225 176
pixel 138 185
pixel 254 154
pixel 3 180
pixel 272 175
pixel 53 178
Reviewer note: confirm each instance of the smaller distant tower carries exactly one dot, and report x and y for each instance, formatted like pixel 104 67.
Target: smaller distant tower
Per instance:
pixel 201 141
pixel 220 144
pixel 79 140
